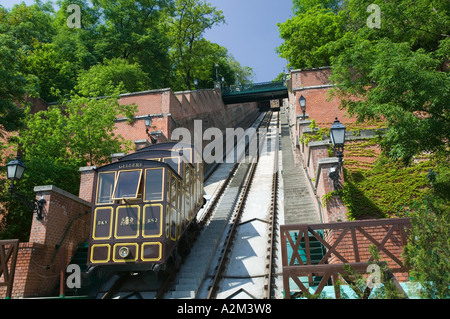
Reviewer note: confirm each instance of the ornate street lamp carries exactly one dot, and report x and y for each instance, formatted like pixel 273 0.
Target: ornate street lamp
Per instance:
pixel 217 72
pixel 337 134
pixel 15 169
pixel 148 125
pixel 148 122
pixel 302 102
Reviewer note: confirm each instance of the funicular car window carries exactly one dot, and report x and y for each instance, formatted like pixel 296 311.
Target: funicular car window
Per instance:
pixel 173 192
pixel 105 187
pixel 154 184
pixel 127 185
pixel 187 155
pixel 174 163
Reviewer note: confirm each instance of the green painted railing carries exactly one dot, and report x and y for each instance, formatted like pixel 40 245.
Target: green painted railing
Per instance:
pixel 253 88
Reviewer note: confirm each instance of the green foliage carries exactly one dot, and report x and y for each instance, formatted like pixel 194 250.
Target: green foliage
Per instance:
pixel 380 191
pixel 395 74
pixel 76 133
pixel 305 36
pixel 315 135
pixel 12 84
pixel 407 85
pixel 29 24
pixel 325 198
pixel 122 46
pixel 186 28
pixel 134 30
pixel 428 248
pixel 56 143
pixel 358 283
pixel 100 79
pixel 300 6
pixel 280 77
pixel 162 39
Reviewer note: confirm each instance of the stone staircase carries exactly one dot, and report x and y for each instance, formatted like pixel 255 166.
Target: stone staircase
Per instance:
pixel 299 207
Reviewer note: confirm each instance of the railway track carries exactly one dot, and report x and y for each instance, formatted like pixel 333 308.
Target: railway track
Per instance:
pixel 246 264
pixel 220 222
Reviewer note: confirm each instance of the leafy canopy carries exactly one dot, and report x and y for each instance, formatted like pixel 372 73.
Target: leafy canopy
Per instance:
pixel 397 73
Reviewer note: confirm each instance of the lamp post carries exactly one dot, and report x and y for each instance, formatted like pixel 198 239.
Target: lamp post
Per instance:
pixel 15 169
pixel 148 125
pixel 302 102
pixel 217 72
pixel 337 134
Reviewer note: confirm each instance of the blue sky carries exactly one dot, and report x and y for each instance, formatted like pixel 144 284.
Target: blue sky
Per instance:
pixel 250 33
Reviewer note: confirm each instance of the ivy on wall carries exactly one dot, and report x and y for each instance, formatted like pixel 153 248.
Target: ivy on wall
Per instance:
pixel 376 186
pixel 381 189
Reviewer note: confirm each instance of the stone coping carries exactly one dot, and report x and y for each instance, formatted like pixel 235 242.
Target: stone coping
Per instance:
pixel 320 163
pixel 52 188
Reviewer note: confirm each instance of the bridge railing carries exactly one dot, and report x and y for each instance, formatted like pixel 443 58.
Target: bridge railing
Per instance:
pixel 254 87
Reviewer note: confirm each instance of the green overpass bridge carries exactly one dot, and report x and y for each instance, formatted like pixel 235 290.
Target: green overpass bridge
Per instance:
pixel 255 92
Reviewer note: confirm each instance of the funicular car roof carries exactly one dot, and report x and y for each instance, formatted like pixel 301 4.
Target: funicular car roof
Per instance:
pixel 158 150
pixel 130 164
pixel 168 146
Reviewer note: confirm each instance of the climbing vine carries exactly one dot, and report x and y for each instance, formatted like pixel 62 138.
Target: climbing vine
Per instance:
pixel 315 135
pixel 382 190
pixel 376 186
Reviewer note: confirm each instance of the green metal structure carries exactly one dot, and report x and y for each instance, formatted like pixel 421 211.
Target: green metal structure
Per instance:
pixel 254 92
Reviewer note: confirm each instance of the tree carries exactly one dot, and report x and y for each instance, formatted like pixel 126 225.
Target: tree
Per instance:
pixel 242 75
pixel 405 90
pixel 192 18
pixel 13 84
pixel 306 36
pixel 19 28
pixel 428 248
pixel 29 24
pixel 116 73
pixel 397 73
pixel 302 6
pixel 132 30
pixel 77 132
pixel 204 68
pixel 55 144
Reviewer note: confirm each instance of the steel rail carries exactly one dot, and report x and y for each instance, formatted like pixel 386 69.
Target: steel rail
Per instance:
pixel 210 209
pixel 235 219
pixel 273 215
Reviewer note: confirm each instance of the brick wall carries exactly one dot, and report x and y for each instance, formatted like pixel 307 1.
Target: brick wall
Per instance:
pixel 310 77
pixel 171 110
pixel 335 209
pixel 314 152
pixel 87 181
pixel 315 86
pixel 65 223
pixel 345 247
